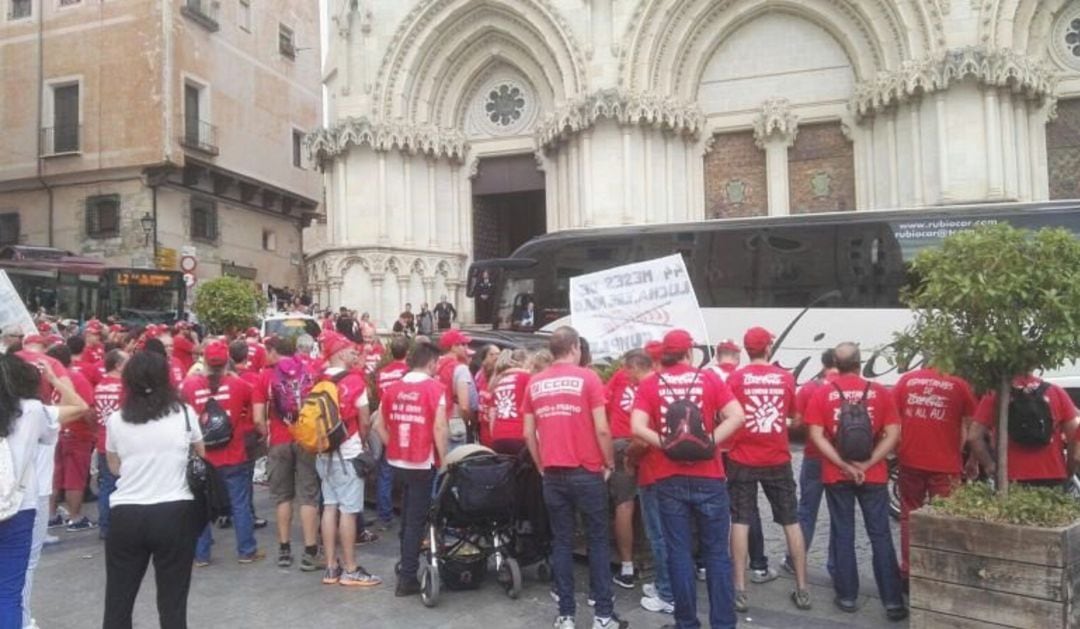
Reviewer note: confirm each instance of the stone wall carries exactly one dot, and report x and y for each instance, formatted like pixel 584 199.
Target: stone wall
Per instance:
pixel 735 180
pixel 821 170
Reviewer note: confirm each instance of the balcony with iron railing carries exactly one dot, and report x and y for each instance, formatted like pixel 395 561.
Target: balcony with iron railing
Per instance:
pixel 61 140
pixel 199 135
pixel 202 12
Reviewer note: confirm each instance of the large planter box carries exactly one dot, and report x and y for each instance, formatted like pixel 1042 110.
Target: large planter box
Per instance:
pixel 966 574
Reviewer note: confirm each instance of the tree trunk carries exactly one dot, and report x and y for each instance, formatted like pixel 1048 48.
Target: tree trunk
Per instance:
pixel 1004 389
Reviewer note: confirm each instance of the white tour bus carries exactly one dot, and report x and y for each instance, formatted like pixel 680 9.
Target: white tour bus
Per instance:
pixel 813 280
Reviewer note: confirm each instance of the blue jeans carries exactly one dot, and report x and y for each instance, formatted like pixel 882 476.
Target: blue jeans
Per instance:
pixel 584 492
pixel 810 492
pixel 654 530
pixel 704 500
pixel 106 485
pixel 15 537
pixel 384 490
pixel 874 501
pixel 237 480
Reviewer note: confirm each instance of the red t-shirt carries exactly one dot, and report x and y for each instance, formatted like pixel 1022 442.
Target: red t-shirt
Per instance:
pixel 767 395
pixel 373 353
pixel 389 374
pixel 107 396
pixel 802 400
pixel 506 400
pixel 234 396
pixel 620 401
pixel 705 389
pixel 85 428
pixel 932 408
pixel 409 409
pixel 177 373
pixel 352 389
pixel 1027 462
pixel 824 408
pixel 722 370
pixel 261 394
pixel 483 407
pixel 183 350
pixel 92 370
pixel 562 399
pixel 444 372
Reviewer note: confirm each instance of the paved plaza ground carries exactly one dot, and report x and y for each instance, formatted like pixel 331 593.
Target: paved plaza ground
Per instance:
pixel 70 588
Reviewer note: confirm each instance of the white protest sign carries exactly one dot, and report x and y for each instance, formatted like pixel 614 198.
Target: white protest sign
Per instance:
pixel 625 307
pixel 12 309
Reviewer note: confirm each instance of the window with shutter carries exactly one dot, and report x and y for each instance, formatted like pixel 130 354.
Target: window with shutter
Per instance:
pixel 65 118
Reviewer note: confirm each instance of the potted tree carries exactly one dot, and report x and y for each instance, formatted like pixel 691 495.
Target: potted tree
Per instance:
pixel 989 304
pixel 227 305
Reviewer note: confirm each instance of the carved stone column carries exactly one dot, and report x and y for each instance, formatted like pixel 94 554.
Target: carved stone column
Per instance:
pixel 429 291
pixel 775 129
pixel 376 308
pixel 335 285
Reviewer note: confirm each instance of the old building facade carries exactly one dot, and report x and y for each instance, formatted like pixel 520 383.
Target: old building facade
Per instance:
pixel 458 128
pixel 135 127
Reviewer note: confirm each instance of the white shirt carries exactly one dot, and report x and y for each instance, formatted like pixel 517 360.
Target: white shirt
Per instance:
pixel 153 458
pixel 33 443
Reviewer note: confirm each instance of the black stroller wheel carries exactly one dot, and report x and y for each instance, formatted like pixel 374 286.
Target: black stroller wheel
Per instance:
pixel 429 582
pixel 510 577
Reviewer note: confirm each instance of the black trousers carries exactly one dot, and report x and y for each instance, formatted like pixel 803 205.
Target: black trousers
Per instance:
pixel 415 503
pixel 164 533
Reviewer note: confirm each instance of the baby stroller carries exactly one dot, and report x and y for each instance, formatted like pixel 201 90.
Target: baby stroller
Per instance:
pixel 471 520
pixel 532 530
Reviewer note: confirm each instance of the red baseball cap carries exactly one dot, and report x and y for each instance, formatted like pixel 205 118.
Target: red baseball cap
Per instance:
pixel 452 338
pixel 44 327
pixel 757 339
pixel 728 345
pixel 53 339
pixel 332 343
pixel 252 333
pixel 216 354
pixel 677 342
pixel 655 349
pixel 34 339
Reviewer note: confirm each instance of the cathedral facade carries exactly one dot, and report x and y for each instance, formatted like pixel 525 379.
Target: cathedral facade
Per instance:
pixel 457 129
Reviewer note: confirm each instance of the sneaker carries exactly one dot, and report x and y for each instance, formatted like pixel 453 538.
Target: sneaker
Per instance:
pixel 801 598
pixel 359 578
pixel 896 614
pixel 788 565
pixel 284 558
pixel 624 580
pixel 606 623
pixel 258 555
pixel 742 602
pixel 310 563
pixel 50 540
pixel 564 622
pixel 56 521
pixel 260 523
pixel 83 524
pixel 701 574
pixel 407 587
pixel 331 576
pixel 649 590
pixel 845 605
pixel 763 576
pixel 202 563
pixel 366 537
pixel 657 605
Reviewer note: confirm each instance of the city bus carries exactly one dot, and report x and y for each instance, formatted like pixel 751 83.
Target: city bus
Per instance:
pixel 813 280
pixel 74 287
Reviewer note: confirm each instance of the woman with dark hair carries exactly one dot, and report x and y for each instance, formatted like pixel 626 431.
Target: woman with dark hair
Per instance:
pixel 152 510
pixel 29 431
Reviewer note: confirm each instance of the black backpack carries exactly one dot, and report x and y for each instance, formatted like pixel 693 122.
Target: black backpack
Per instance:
pixel 217 429
pixel 854 439
pixel 1030 421
pixel 686 438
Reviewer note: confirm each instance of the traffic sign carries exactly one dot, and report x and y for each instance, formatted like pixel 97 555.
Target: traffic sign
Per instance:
pixel 189 279
pixel 188 264
pixel 166 259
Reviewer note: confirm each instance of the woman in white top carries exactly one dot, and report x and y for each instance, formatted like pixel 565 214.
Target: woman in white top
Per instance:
pixel 152 511
pixel 26 425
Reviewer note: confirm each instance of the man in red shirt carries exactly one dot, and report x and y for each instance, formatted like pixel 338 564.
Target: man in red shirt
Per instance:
pixel 690 490
pixel 233 396
pixel 93 333
pixel 933 408
pixel 370 348
pixel 107 396
pixel 810 488
pixel 623 483
pixel 342 487
pixel 865 481
pixel 74 449
pixel 290 468
pixel 566 431
pixel 83 362
pixel 728 355
pixel 390 373
pixel 1030 464
pixel 453 372
pixel 761 455
pixel 412 424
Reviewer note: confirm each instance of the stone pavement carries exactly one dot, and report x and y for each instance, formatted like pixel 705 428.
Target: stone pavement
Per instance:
pixel 70 588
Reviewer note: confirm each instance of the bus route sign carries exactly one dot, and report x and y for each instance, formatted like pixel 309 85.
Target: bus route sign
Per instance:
pixel 623 308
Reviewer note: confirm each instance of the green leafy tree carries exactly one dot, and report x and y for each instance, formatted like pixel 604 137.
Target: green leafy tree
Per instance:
pixel 993 303
pixel 226 305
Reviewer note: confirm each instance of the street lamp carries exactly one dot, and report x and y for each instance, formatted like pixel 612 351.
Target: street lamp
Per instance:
pixel 147 223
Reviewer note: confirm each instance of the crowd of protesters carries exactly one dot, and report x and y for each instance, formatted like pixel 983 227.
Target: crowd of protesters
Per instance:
pixel 139 399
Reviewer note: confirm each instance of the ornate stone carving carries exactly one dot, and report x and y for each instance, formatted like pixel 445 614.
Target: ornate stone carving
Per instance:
pixel 993 67
pixel 326 143
pixel 775 120
pixel 625 108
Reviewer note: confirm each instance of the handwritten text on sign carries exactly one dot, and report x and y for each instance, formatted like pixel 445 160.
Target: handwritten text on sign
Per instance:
pixel 627 306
